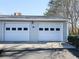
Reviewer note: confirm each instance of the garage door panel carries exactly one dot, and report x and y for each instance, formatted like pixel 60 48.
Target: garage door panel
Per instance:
pixel 17 32
pixel 54 32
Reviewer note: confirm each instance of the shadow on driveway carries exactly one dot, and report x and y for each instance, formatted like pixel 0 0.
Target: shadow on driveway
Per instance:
pixel 75 52
pixel 25 51
pixel 18 53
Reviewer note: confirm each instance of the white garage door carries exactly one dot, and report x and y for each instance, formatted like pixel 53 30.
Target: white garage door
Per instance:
pixel 17 31
pixel 49 31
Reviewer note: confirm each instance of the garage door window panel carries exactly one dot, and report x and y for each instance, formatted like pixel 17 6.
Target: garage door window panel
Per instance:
pixel 51 29
pixel 40 29
pixel 7 28
pixel 25 29
pixel 13 29
pixel 19 29
pixel 57 29
pixel 46 29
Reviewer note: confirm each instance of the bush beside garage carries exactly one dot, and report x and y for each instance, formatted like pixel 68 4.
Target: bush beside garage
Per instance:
pixel 74 40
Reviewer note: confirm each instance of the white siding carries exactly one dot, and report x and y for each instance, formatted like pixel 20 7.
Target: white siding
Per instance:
pixel 34 32
pixel 2 31
pixel 65 31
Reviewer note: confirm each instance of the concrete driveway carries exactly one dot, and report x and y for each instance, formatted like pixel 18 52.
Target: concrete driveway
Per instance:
pixel 51 50
pixel 41 54
pixel 16 46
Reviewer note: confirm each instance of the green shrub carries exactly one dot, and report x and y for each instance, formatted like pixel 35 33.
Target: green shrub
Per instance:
pixel 74 40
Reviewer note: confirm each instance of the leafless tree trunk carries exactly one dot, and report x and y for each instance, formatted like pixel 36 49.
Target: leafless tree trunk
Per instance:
pixel 67 8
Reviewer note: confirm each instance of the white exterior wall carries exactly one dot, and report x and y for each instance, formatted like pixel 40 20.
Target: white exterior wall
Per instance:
pixel 33 32
pixel 65 31
pixel 2 31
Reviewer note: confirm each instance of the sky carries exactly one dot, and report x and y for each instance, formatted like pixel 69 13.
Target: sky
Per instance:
pixel 26 7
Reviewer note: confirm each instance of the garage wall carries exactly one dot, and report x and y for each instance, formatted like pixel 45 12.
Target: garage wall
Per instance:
pixel 65 31
pixel 33 31
pixel 1 31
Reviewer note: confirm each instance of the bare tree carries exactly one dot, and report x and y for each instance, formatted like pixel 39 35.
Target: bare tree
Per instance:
pixel 73 14
pixel 66 8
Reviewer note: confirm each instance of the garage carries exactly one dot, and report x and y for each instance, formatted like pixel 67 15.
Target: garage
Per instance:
pixel 16 31
pixel 49 31
pixel 45 31
pixel 33 28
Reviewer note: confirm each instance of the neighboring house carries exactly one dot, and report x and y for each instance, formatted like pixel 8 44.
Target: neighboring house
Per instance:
pixel 33 28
